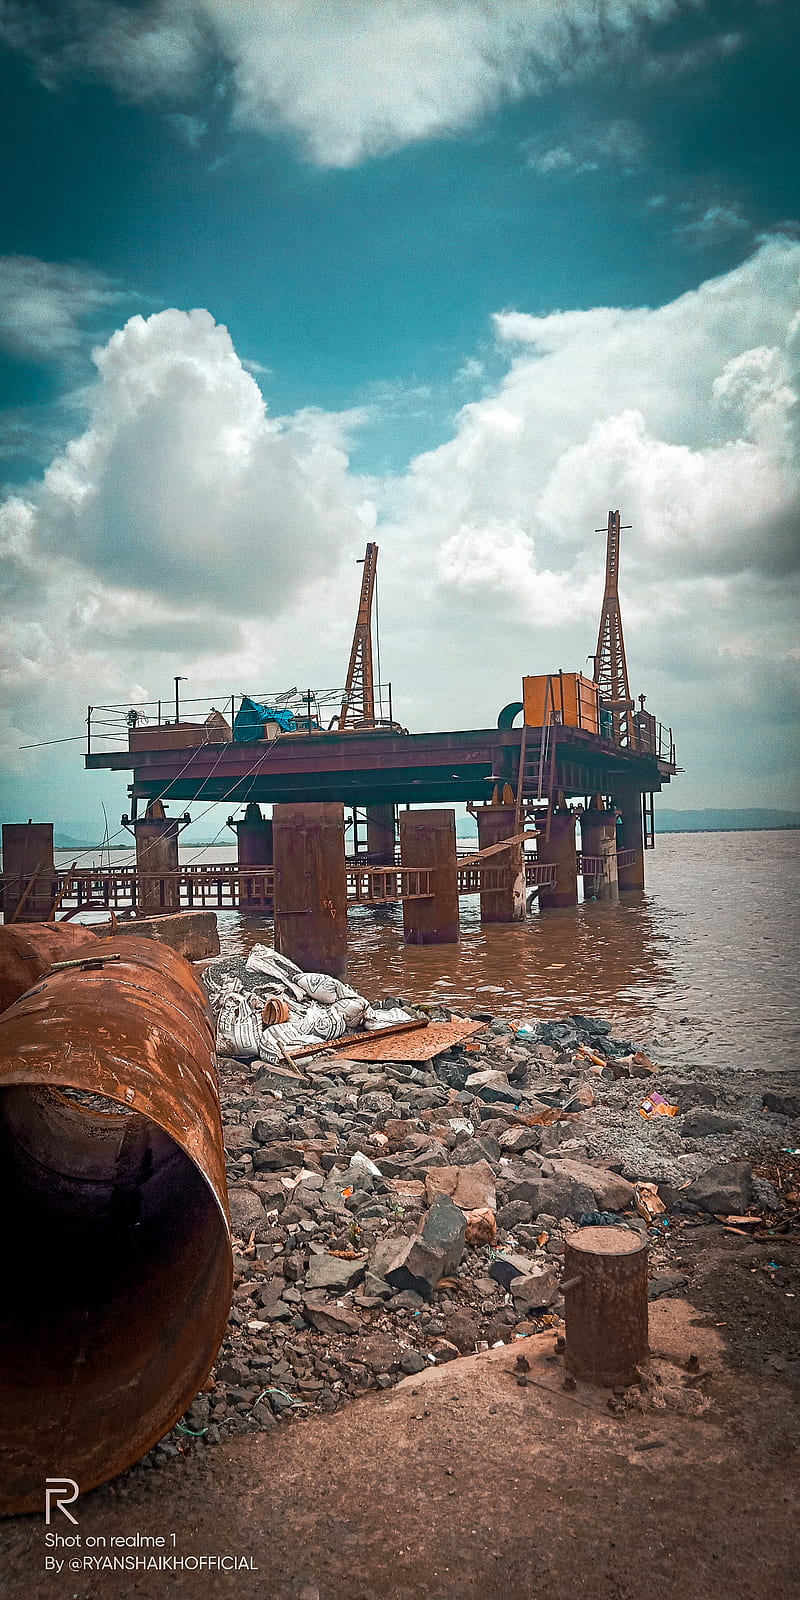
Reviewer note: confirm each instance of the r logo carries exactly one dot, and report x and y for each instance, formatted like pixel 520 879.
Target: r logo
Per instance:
pixel 57 1490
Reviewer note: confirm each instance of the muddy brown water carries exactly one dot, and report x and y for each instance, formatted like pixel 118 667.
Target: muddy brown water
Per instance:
pixel 701 966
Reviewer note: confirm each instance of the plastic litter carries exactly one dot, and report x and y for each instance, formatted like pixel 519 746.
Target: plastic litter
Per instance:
pixel 648 1203
pixel 656 1106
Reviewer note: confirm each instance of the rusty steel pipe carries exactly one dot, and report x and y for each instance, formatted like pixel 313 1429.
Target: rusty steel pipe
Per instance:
pixel 117 1275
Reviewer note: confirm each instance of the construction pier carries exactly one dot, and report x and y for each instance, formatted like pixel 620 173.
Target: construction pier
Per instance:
pixel 571 753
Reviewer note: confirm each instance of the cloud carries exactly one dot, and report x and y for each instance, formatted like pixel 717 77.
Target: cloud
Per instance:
pixel 183 486
pixel 717 221
pixel 185 529
pixel 617 144
pixel 44 306
pixel 350 80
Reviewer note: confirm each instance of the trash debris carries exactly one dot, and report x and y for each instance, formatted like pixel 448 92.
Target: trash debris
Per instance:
pixel 648 1203
pixel 656 1106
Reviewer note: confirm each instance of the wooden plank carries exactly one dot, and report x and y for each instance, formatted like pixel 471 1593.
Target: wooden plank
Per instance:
pixel 438 1036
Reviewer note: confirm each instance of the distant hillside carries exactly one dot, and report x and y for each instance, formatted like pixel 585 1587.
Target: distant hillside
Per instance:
pixel 711 821
pixel 62 841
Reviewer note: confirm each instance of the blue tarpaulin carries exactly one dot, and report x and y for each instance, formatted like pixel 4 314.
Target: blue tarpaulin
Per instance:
pixel 251 717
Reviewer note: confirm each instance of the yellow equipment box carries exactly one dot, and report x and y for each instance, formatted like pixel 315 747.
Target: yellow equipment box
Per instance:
pixel 564 697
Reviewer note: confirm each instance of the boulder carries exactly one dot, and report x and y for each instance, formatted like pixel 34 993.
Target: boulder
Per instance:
pixel 444 1230
pixel 246 1212
pixel 471 1188
pixel 781 1103
pixel 417 1266
pixel 700 1123
pixel 724 1189
pixel 331 1272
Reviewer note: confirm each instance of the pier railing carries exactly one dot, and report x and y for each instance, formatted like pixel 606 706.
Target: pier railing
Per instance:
pixel 224 887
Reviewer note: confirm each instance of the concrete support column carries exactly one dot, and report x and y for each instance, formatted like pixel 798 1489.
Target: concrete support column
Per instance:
pixel 560 849
pixel 156 837
pixel 631 835
pixel 496 823
pixel 380 835
pixel 428 839
pixel 599 839
pixel 311 886
pixel 254 849
pixel 29 862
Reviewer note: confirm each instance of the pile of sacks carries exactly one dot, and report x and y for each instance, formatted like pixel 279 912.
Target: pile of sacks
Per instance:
pixel 266 1007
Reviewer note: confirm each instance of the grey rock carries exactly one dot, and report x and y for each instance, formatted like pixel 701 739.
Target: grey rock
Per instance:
pixel 444 1230
pixel 330 1272
pixel 536 1291
pixel 412 1361
pixel 780 1103
pixel 515 1212
pixel 504 1269
pixel 611 1192
pixel 701 1123
pixel 275 1157
pixel 484 1148
pixel 666 1283
pixel 417 1266
pixel 722 1189
pixel 247 1212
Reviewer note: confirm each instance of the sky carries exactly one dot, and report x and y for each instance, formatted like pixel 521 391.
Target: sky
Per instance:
pixel 459 277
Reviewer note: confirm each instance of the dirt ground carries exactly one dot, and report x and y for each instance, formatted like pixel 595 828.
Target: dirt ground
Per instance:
pixel 464 1484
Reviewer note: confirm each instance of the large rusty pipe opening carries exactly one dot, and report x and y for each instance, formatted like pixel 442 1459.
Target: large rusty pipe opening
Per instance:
pixel 117 1264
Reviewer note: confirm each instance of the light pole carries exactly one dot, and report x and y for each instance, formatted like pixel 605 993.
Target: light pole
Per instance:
pixel 177 704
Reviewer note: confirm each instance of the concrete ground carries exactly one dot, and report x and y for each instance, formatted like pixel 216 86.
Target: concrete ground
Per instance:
pixel 464 1483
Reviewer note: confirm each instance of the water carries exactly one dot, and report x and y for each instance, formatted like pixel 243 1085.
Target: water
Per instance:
pixel 701 966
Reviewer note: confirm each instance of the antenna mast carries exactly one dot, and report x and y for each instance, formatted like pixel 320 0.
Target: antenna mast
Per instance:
pixel 359 692
pixel 610 666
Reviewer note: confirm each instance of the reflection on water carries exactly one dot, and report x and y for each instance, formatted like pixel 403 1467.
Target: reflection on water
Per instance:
pixel 704 961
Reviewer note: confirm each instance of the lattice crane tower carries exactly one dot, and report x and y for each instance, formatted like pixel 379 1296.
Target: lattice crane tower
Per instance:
pixel 610 665
pixel 359 691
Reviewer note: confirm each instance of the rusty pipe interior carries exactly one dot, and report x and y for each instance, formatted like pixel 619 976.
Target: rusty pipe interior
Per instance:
pixel 117 1273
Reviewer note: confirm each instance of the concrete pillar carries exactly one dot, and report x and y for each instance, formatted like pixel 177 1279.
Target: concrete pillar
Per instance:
pixel 428 839
pixel 156 837
pixel 560 849
pixel 254 849
pixel 599 838
pixel 380 835
pixel 496 823
pixel 630 835
pixel 311 886
pixel 29 863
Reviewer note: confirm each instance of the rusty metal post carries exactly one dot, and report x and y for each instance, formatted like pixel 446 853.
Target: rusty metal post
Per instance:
pixel 380 835
pixel 254 849
pixel 28 860
pixel 156 838
pixel 599 840
pixel 117 1273
pixel 311 886
pixel 605 1304
pixel 559 849
pixel 428 839
pixel 629 801
pixel 496 823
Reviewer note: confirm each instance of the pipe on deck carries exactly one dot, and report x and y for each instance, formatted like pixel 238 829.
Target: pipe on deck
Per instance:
pixel 118 1271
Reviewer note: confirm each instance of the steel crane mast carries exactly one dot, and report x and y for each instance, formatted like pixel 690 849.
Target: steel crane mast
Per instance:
pixel 610 665
pixel 359 692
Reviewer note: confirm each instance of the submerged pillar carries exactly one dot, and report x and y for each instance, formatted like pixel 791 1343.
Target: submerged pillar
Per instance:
pixel 496 823
pixel 156 834
pixel 254 849
pixel 311 885
pixel 631 835
pixel 599 844
pixel 560 850
pixel 380 835
pixel 29 863
pixel 428 839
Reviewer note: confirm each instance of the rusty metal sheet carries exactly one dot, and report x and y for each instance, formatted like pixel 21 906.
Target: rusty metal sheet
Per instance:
pixel 430 1041
pixel 117 1277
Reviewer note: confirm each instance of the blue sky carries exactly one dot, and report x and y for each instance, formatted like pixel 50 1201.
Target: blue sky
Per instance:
pixel 279 278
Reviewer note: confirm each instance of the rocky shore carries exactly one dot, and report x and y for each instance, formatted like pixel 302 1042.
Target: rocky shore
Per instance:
pixel 389 1216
